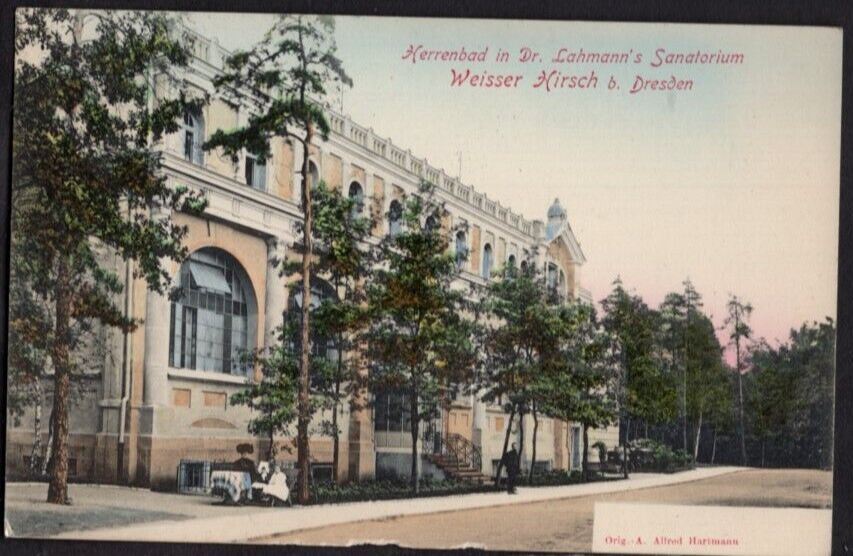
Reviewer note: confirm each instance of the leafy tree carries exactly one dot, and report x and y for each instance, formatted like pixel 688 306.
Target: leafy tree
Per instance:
pixel 273 398
pixel 709 394
pixel 789 397
pixel 87 174
pixel 738 316
pixel 520 321
pixel 647 393
pixel 284 78
pixel 582 389
pixel 342 256
pixel 418 343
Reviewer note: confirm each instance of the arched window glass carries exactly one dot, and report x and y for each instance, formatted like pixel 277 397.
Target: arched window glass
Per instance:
pixel 461 249
pixel 551 276
pixel 356 193
pixel 321 347
pixel 193 131
pixel 214 320
pixel 511 261
pixel 524 266
pixel 431 224
pixel 395 219
pixel 487 261
pixel 313 175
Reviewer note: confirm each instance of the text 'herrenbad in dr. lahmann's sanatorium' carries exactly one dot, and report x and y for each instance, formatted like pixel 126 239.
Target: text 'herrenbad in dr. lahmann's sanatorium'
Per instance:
pixel 575 69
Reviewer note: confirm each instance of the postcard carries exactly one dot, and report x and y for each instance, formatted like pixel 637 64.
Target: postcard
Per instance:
pixel 573 285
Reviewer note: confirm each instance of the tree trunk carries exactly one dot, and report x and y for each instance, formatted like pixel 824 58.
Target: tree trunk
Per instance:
pixel 48 455
pixel 585 455
pixel 520 440
pixel 714 447
pixel 336 442
pixel 535 433
pixel 304 411
pixel 413 405
pixel 57 492
pixel 506 445
pixel 625 449
pixel 698 436
pixel 336 434
pixel 37 452
pixel 740 394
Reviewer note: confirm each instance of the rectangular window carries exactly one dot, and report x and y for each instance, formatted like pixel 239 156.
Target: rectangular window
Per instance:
pixel 256 173
pixel 322 473
pixel 499 424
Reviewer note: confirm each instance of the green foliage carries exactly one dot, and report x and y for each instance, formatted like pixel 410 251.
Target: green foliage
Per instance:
pixel 418 342
pixel 648 393
pixel 392 490
pixel 286 75
pixel 519 338
pixel 648 455
pixel 789 397
pixel 87 185
pixel 273 398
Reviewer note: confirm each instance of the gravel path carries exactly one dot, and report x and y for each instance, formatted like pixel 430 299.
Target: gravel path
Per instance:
pixel 566 525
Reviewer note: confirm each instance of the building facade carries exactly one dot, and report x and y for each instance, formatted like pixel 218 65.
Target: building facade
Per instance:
pixel 160 395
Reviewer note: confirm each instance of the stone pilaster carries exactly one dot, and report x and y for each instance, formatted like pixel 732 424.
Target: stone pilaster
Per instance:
pixel 276 290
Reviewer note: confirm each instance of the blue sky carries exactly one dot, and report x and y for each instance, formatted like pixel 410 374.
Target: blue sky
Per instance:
pixel 734 184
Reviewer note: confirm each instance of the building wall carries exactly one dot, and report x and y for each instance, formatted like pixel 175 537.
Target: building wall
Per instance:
pixel 186 416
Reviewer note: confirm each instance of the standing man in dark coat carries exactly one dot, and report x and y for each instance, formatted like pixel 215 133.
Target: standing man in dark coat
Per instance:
pixel 510 463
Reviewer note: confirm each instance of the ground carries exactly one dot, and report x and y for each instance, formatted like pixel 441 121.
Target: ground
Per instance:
pixel 93 506
pixel 566 525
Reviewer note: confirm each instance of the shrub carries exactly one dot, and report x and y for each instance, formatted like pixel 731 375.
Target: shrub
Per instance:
pixel 391 490
pixel 649 455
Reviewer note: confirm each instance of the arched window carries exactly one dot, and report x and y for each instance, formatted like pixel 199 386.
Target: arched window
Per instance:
pixel 510 262
pixel 461 248
pixel 256 172
pixel 356 193
pixel 551 276
pixel 395 218
pixel 313 175
pixel 215 319
pixel 523 266
pixel 487 261
pixel 321 347
pixel 193 131
pixel 431 224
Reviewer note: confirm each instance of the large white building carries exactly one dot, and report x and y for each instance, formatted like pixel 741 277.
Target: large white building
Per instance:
pixel 161 395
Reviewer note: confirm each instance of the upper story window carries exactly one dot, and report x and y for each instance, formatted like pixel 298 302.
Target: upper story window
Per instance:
pixel 313 175
pixel 488 260
pixel 213 322
pixel 256 172
pixel 193 131
pixel 395 218
pixel 321 346
pixel 551 276
pixel 431 224
pixel 356 193
pixel 461 248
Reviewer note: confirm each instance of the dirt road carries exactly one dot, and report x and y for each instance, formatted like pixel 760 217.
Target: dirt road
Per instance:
pixel 566 525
